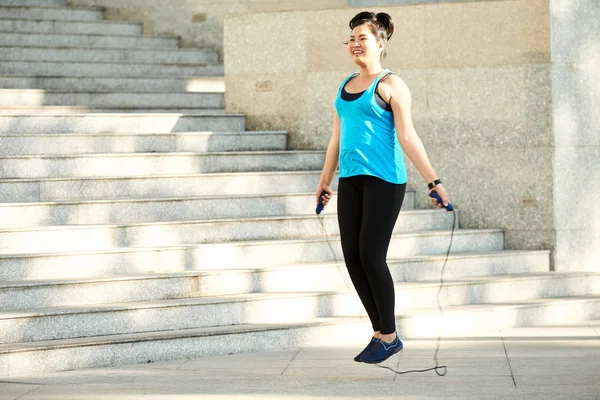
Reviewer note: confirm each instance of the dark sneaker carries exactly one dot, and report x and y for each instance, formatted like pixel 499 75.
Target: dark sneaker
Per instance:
pixel 372 343
pixel 381 351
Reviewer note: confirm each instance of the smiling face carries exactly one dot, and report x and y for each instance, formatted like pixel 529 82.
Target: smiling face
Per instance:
pixel 363 46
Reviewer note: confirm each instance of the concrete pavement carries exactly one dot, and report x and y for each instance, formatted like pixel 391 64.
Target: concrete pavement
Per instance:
pixel 520 363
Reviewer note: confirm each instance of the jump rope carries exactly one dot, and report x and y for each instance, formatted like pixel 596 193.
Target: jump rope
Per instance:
pixel 449 207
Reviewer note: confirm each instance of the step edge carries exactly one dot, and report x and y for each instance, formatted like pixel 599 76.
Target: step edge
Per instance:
pixel 170 334
pixel 68 8
pixel 241 298
pixel 142 177
pixel 100 21
pixel 139 35
pixel 485 279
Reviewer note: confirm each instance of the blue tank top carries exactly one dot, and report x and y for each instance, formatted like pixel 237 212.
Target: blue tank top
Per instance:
pixel 368 141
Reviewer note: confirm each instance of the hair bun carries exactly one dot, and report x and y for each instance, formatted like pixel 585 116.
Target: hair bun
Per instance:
pixel 361 17
pixel 386 20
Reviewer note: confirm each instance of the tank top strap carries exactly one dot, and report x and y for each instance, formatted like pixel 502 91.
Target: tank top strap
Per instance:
pixel 346 81
pixel 383 73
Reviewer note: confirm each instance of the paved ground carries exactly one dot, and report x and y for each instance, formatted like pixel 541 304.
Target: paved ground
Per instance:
pixel 526 363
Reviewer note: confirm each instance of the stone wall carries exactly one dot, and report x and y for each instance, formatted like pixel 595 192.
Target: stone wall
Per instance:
pixel 576 116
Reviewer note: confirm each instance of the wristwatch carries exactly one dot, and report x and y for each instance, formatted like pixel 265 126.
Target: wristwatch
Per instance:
pixel 434 183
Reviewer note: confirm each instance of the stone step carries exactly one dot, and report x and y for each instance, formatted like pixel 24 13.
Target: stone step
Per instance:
pixel 144 164
pixel 91 69
pixel 182 210
pixel 71 28
pixel 414 300
pixel 464 320
pixel 37 98
pixel 198 142
pixel 103 41
pixel 34 3
pixel 173 260
pixel 99 188
pixel 132 349
pixel 325 277
pixel 120 123
pixel 114 244
pixel 52 13
pixel 48 356
pixel 173 211
pixel 154 223
pixel 110 83
pixel 75 110
pixel 179 56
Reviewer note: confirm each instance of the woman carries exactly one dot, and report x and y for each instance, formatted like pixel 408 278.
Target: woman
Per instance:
pixel 371 127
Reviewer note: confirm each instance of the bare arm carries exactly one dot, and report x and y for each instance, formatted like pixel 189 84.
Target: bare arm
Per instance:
pixel 331 162
pixel 401 102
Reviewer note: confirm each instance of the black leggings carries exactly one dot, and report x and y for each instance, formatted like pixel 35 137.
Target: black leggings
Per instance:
pixel 367 211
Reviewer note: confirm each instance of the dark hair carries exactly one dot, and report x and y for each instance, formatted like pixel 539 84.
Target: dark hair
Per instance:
pixel 381 25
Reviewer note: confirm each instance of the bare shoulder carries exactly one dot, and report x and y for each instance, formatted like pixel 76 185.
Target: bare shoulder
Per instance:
pixel 395 83
pixel 393 87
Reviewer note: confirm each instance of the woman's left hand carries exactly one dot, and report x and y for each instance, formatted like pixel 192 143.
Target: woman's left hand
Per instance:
pixel 439 189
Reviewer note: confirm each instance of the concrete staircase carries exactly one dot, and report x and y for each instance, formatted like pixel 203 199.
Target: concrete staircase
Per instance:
pixel 140 222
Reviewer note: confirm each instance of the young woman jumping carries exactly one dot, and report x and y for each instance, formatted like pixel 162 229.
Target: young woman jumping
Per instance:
pixel 371 128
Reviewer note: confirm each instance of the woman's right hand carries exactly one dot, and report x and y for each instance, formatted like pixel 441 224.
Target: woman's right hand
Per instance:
pixel 321 187
pixel 441 191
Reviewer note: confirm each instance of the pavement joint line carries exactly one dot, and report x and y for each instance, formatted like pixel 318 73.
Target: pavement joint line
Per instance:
pixel 20 383
pixel 182 364
pixel 512 375
pixel 397 367
pixel 291 361
pixel 25 394
pixel 594 329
